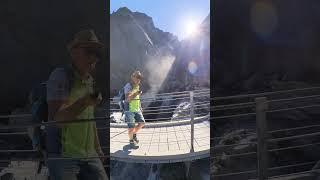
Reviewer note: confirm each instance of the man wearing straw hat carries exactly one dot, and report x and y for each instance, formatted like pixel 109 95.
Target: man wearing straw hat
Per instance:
pixel 133 113
pixel 73 148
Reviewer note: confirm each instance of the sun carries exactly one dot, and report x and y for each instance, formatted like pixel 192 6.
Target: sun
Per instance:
pixel 191 28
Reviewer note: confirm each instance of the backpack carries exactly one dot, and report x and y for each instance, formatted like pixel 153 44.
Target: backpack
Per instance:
pixel 39 110
pixel 124 105
pixel 121 100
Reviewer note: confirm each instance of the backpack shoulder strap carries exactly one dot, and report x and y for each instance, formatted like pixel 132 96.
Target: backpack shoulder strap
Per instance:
pixel 69 74
pixel 127 85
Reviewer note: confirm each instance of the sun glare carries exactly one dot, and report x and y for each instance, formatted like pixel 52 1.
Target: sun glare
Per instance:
pixel 191 28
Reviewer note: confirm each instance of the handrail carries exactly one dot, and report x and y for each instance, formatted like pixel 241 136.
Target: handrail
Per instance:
pixel 264 137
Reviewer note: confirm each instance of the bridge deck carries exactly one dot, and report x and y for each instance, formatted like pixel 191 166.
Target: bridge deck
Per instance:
pixel 161 144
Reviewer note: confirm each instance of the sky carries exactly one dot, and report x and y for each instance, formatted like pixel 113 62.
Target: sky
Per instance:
pixel 179 17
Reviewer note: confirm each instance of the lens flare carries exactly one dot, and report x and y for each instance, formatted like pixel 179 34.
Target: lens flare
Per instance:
pixel 264 19
pixel 192 67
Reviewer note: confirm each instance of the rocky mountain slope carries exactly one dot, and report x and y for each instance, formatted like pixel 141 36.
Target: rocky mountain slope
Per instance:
pixel 135 43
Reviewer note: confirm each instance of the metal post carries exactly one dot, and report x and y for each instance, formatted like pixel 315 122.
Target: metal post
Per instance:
pixel 187 166
pixel 261 107
pixel 192 119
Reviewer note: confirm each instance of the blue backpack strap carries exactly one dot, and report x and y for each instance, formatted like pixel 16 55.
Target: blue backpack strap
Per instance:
pixel 69 74
pixel 122 101
pixel 70 78
pixel 126 103
pixel 39 111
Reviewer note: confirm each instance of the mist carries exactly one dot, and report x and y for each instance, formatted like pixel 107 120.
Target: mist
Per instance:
pixel 158 68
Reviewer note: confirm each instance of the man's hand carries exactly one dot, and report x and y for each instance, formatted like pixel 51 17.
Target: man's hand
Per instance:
pixel 132 95
pixel 137 93
pixel 93 99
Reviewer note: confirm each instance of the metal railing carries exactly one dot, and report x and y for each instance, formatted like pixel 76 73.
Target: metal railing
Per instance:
pixel 194 105
pixel 262 107
pixel 190 115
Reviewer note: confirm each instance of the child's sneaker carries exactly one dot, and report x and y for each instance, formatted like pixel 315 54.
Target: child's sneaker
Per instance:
pixel 135 138
pixel 132 143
